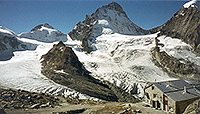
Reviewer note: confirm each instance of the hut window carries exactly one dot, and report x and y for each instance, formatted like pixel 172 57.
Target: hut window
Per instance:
pixel 152 87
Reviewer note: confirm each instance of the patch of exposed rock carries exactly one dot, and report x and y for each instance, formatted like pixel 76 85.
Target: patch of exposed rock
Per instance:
pixel 106 20
pixel 62 66
pixel 20 99
pixel 185 25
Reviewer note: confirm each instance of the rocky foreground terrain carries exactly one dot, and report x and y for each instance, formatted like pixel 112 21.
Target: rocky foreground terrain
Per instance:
pixel 23 102
pixel 20 99
pixel 13 100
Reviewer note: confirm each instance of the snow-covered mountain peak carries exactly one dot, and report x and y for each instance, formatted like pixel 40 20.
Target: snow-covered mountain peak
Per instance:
pixel 112 19
pixel 44 33
pixel 107 19
pixel 114 6
pixel 192 3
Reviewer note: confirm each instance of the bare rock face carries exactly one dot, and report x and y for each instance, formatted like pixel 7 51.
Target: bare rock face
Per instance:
pixel 63 58
pixel 185 25
pixel 62 66
pixel 107 19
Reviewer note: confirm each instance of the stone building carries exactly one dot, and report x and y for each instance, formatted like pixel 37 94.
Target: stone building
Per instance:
pixel 173 96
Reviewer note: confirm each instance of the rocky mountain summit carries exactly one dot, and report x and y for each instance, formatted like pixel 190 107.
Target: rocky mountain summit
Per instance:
pixel 185 25
pixel 106 20
pixel 44 33
pixel 9 42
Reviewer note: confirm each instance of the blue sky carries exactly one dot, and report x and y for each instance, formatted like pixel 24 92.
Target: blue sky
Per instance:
pixel 23 15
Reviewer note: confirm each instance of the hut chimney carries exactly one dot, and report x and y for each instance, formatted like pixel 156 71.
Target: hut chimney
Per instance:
pixel 185 89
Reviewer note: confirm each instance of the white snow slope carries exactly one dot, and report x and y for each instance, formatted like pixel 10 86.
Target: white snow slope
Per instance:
pixel 124 60
pixel 23 71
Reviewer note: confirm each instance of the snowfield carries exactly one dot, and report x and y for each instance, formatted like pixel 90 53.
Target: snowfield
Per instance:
pixel 124 60
pixel 23 71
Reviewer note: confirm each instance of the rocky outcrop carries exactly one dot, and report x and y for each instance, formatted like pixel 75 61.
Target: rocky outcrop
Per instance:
pixel 185 25
pixel 20 99
pixel 185 70
pixel 62 66
pixel 44 33
pixel 106 20
pixel 63 58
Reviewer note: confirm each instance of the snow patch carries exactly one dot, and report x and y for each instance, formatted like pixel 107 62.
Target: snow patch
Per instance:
pixel 60 71
pixel 103 22
pixel 182 13
pixel 48 29
pixel 5 31
pixel 192 3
